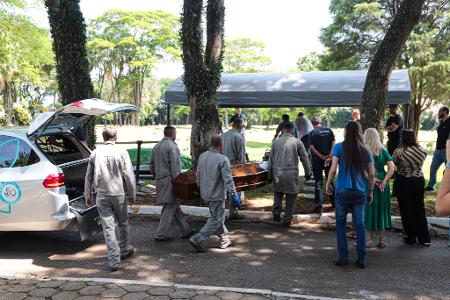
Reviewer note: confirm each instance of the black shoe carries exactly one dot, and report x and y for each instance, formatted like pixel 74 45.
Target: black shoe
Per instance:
pixel 408 241
pixel 114 268
pixel 429 189
pixel 340 263
pixel 286 224
pixel 360 265
pixel 235 217
pixel 197 247
pixel 425 244
pixel 127 253
pixel 164 239
pixel 191 233
pixel 276 218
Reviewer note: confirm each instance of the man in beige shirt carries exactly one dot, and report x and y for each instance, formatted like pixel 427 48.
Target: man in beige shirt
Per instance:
pixel 110 176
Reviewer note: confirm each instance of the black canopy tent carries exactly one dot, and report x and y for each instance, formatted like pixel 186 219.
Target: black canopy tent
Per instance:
pixel 305 89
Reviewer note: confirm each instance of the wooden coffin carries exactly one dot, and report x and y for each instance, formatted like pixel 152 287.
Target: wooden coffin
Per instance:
pixel 246 176
pixel 185 186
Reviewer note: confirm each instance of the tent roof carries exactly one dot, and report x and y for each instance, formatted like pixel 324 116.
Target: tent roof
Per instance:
pixel 325 88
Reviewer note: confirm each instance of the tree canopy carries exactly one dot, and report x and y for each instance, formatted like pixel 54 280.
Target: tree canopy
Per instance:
pixel 124 47
pixel 244 55
pixel 358 27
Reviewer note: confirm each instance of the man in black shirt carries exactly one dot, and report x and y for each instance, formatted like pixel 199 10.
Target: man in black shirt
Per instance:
pixel 321 145
pixel 394 127
pixel 284 121
pixel 439 156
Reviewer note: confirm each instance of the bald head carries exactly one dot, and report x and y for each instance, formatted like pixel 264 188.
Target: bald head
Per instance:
pixel 216 142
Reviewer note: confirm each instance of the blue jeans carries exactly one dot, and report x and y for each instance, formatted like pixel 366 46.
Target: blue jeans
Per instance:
pixel 439 158
pixel 343 204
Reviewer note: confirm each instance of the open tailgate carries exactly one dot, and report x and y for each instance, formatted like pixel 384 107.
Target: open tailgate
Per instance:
pixel 77 114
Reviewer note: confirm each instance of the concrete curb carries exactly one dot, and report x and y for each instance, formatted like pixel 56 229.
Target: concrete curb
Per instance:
pixel 325 218
pixel 176 286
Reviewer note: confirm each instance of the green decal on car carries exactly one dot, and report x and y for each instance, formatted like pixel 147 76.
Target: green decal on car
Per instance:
pixel 10 194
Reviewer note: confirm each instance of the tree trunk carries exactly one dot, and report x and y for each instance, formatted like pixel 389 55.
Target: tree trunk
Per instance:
pixel 376 87
pixel 137 95
pixel 69 44
pixel 202 73
pixel 225 119
pixel 270 122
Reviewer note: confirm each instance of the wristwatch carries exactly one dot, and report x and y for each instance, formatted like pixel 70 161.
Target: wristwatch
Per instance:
pixel 448 164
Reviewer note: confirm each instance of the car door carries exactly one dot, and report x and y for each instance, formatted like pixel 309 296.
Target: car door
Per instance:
pixel 24 202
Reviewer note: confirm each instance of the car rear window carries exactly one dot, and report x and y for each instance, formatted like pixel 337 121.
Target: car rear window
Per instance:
pixel 60 149
pixel 15 153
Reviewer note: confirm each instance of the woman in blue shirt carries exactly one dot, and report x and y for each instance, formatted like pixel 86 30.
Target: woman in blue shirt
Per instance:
pixel 356 176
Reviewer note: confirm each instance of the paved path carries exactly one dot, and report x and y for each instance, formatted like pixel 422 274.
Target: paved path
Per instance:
pixel 264 256
pixel 82 289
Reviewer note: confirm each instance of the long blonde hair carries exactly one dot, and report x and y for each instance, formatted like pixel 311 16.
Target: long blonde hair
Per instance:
pixel 373 142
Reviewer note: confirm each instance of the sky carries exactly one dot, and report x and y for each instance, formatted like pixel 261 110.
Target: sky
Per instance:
pixel 288 28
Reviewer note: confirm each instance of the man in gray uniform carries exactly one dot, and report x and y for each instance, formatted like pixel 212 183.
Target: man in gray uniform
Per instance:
pixel 214 180
pixel 110 175
pixel 165 165
pixel 283 170
pixel 234 149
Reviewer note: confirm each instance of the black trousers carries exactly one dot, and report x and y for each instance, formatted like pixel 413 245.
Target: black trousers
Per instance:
pixel 392 144
pixel 318 168
pixel 410 195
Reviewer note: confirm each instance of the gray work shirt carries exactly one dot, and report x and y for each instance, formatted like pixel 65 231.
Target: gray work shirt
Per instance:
pixel 283 163
pixel 233 146
pixel 214 176
pixel 165 165
pixel 110 173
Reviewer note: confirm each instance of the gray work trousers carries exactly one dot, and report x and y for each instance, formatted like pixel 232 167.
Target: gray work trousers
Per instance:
pixel 233 209
pixel 291 200
pixel 215 223
pixel 112 209
pixel 169 213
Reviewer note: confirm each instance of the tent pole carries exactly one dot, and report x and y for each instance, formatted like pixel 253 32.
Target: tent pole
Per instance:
pixel 168 114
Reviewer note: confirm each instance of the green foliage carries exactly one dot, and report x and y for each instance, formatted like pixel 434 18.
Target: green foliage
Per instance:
pixel 309 62
pixel 428 120
pixel 244 55
pixel 123 49
pixel 146 153
pixel 26 59
pixel 359 26
pixel 69 44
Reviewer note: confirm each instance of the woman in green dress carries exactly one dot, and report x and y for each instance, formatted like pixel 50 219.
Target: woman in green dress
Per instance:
pixel 378 213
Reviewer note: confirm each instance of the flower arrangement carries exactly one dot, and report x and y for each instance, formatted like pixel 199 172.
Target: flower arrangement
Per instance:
pixel 21 115
pixel 3 121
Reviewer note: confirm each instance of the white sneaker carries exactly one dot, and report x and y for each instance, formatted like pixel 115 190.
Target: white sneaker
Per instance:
pixel 223 244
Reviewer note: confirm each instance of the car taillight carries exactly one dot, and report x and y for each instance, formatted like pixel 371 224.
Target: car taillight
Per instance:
pixel 53 181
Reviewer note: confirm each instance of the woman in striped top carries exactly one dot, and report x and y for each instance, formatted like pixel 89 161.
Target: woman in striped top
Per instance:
pixel 409 158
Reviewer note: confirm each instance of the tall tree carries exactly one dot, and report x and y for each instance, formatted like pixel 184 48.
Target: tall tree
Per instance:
pixel 376 87
pixel 26 58
pixel 202 69
pixel 126 45
pixel 244 55
pixel 68 30
pixel 357 29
